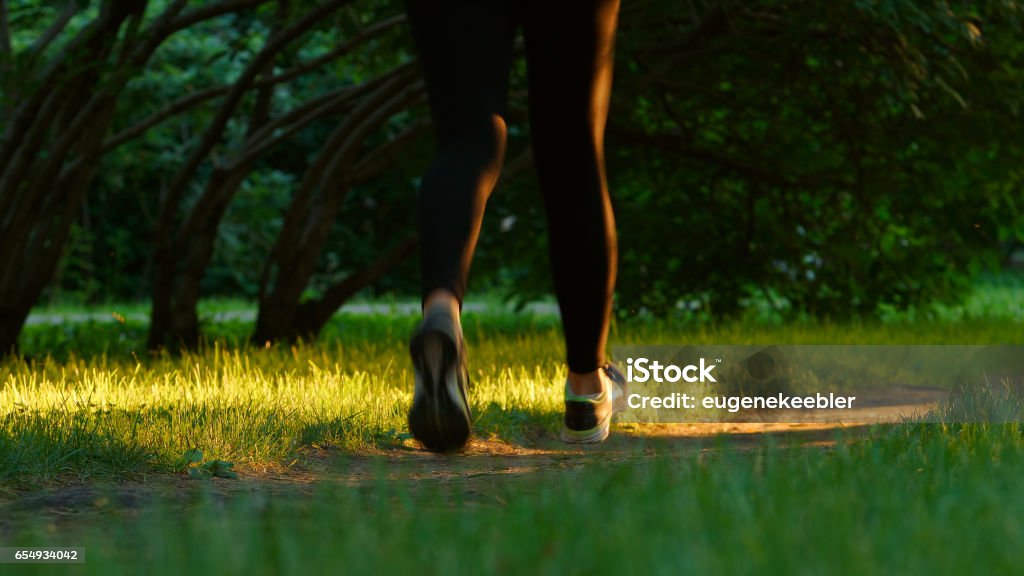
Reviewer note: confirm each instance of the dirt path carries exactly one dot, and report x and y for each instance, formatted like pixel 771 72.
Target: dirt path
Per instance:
pixel 475 470
pixel 478 476
pixel 486 463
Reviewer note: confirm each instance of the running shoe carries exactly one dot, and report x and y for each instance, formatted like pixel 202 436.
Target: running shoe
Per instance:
pixel 588 418
pixel 440 417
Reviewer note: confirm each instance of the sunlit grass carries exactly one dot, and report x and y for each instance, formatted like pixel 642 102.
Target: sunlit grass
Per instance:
pixel 125 412
pixel 255 407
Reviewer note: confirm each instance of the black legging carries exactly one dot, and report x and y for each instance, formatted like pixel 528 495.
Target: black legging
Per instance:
pixel 465 49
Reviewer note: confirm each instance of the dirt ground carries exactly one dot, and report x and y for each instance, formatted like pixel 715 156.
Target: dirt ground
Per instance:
pixel 484 461
pixel 474 470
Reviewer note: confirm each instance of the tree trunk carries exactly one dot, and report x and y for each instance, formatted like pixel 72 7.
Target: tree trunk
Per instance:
pixel 182 250
pixel 312 316
pixel 49 157
pixel 53 137
pixel 181 272
pixel 311 214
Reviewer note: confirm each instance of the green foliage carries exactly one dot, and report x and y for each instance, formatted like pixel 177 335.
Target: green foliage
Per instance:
pixel 833 159
pixel 192 463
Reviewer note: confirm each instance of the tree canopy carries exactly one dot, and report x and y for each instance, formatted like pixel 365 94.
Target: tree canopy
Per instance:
pixel 830 158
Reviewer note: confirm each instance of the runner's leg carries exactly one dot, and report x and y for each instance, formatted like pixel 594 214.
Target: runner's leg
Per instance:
pixel 569 47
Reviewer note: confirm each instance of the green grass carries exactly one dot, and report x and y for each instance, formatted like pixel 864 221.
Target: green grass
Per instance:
pixel 91 409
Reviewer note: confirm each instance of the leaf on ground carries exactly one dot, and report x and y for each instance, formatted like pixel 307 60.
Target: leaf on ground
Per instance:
pixel 198 473
pixel 220 469
pixel 189 457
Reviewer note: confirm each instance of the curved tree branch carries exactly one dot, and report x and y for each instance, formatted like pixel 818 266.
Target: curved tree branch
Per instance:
pixel 197 15
pixel 47 38
pixel 188 102
pixel 5 30
pixel 311 316
pixel 214 132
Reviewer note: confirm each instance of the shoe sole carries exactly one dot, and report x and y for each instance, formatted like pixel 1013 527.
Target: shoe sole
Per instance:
pixel 592 436
pixel 439 417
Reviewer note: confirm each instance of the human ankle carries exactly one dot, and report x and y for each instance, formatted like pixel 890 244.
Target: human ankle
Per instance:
pixel 442 301
pixel 587 383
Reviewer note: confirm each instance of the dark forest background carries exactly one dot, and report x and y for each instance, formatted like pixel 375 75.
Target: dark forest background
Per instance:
pixel 829 158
